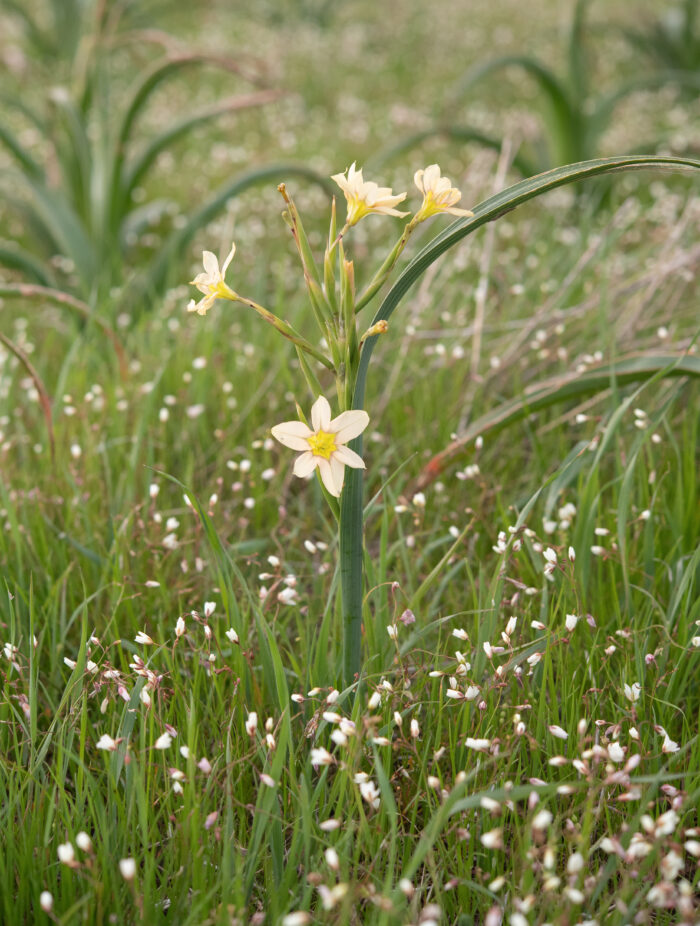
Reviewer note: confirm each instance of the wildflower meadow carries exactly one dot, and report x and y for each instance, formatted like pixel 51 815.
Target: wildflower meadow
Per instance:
pixel 349 484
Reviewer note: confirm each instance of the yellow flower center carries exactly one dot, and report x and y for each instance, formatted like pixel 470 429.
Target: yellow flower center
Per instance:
pixel 322 444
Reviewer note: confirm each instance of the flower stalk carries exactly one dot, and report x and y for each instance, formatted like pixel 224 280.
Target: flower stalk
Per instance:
pixel 327 446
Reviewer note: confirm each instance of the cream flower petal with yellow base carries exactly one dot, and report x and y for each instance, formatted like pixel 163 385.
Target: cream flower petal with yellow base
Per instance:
pixel 293 434
pixel 305 464
pixel 438 194
pixel 349 458
pixel 321 414
pixel 212 282
pixel 365 196
pixel 349 425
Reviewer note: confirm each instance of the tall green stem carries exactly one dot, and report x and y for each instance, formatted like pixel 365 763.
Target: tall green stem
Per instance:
pixel 351 548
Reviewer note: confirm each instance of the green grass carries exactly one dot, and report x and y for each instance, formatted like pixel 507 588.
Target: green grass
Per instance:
pixel 86 564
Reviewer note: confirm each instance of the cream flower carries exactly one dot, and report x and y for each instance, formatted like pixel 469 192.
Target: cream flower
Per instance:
pixel 324 446
pixel 438 194
pixel 364 196
pixel 212 282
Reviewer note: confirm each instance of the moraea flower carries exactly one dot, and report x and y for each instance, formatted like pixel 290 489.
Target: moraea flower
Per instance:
pixel 364 196
pixel 438 194
pixel 212 282
pixel 324 445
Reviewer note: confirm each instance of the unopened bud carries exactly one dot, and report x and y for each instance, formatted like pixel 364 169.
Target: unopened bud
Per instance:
pixel 380 327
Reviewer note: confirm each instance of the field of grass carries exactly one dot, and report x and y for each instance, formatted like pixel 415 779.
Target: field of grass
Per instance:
pixel 177 740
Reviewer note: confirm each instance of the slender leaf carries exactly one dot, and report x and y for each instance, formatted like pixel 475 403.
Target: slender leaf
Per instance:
pixel 140 165
pixel 44 398
pixel 17 258
pixel 560 389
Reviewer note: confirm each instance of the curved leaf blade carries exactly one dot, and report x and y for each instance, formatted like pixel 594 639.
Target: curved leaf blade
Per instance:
pixel 559 389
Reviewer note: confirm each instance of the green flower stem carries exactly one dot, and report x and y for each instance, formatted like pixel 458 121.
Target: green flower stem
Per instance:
pixel 381 276
pixel 309 375
pixel 351 547
pixel 311 274
pixel 329 262
pixel 285 329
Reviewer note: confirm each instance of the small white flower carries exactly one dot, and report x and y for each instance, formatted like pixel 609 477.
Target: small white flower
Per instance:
pixel 558 732
pixel 164 741
pixel 320 756
pixel 106 742
pixel 127 868
pixel 66 853
pixel 324 446
pixel 571 621
pixel 83 842
pixel 251 724
pixel 232 635
pixel 671 865
pixel 493 839
pixel 616 753
pixel 542 820
pixel 298 918
pixel 364 196
pixel 669 746
pixel 632 692
pixel 143 638
pixel 180 627
pixel 209 608
pixel 46 901
pixel 479 745
pixel 370 793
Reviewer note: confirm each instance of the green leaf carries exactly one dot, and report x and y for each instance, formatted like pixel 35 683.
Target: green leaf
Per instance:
pixel 566 116
pixel 18 259
pixel 44 399
pixel 141 164
pixel 20 153
pixel 559 389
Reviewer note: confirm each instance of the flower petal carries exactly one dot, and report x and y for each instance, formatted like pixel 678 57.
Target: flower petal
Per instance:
pixel 305 464
pixel 293 434
pixel 229 258
pixel 321 414
pixel 349 424
pixel 211 263
pixel 418 180
pixel 337 472
pixel 431 176
pixel 349 458
pixel 324 468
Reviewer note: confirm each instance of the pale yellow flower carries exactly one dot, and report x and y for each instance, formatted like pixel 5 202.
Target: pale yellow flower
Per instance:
pixel 438 194
pixel 212 282
pixel 364 196
pixel 324 446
